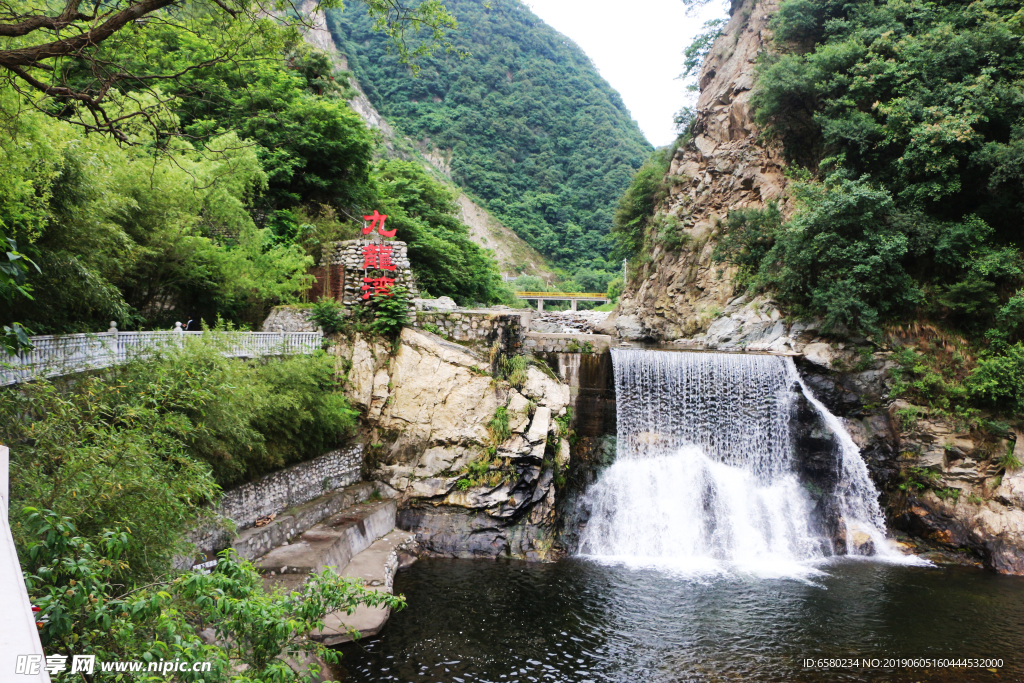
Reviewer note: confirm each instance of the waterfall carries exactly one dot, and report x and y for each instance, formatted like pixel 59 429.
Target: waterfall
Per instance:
pixel 704 474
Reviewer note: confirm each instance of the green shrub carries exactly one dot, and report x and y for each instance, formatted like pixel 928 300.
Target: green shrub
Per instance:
pixel 998 381
pixel 1009 460
pixel 87 607
pixel 614 291
pixel 915 212
pixel 636 207
pixel 107 455
pixel 434 329
pixel 668 231
pixel 748 236
pixel 514 369
pixel 390 313
pixel 499 426
pixel 329 315
pixel 242 418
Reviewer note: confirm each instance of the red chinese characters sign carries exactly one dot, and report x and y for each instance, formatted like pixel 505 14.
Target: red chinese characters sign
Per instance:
pixel 376 220
pixel 377 257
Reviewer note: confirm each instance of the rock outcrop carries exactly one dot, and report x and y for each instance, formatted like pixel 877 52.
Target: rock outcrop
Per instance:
pixel 939 483
pixel 433 407
pixel 724 167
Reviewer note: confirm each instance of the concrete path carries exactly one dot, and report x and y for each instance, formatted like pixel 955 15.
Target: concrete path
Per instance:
pixel 376 566
pixel 359 542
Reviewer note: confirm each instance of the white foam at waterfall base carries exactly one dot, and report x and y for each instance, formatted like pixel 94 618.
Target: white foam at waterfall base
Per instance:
pixel 703 480
pixel 688 513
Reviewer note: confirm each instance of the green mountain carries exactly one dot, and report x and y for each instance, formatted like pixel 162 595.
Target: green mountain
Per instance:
pixel 533 130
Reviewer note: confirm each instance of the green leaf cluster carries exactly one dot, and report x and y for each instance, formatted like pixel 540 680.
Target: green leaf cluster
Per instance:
pixel 87 608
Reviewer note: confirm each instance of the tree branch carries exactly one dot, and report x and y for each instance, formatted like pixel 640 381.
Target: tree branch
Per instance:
pixel 31 56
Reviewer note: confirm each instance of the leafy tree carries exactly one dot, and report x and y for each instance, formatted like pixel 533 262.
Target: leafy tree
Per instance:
pixel 998 380
pixel 636 206
pixel 85 608
pixel 425 214
pixel 908 112
pixel 698 49
pixel 85 59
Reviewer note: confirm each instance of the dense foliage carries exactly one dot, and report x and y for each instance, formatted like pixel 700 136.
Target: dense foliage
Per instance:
pixel 144 445
pixel 910 114
pixel 533 129
pixel 635 212
pixel 903 123
pixel 111 473
pixel 222 197
pixel 444 260
pixel 89 607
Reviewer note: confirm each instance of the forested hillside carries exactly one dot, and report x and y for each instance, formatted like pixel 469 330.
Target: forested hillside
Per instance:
pixel 912 117
pixel 208 194
pixel 533 130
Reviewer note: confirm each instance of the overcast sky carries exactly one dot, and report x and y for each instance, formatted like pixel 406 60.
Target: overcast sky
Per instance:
pixel 638 47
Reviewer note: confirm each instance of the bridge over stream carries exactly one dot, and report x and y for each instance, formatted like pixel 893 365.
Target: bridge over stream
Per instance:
pixel 573 297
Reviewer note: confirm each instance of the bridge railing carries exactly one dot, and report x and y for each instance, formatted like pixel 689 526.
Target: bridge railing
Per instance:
pixel 55 355
pixel 561 295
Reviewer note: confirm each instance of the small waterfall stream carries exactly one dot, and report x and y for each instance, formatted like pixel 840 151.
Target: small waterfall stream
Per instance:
pixel 704 476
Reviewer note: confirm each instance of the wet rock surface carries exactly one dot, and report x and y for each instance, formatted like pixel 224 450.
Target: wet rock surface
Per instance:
pixel 941 484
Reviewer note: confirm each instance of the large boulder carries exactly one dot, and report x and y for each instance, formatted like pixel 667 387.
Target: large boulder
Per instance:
pixel 430 404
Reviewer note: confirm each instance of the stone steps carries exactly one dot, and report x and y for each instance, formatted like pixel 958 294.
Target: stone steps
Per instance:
pixel 256 541
pixel 359 542
pixel 376 566
pixel 333 542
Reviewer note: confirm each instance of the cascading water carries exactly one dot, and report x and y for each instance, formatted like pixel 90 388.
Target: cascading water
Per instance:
pixel 704 475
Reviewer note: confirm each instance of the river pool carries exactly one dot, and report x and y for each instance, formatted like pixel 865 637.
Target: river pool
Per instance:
pixel 578 620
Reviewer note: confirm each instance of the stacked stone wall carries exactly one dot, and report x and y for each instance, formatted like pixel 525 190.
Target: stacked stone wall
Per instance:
pixel 540 342
pixel 344 268
pixel 281 490
pixel 289 319
pixel 481 327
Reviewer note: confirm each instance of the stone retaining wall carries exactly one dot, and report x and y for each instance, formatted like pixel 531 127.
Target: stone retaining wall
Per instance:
pixel 538 342
pixel 289 319
pixel 481 326
pixel 257 541
pixel 281 490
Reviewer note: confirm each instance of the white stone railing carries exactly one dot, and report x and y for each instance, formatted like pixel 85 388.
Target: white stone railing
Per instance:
pixel 55 355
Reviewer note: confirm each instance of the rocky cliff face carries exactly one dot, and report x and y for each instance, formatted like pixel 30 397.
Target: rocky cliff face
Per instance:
pixel 679 293
pixel 464 492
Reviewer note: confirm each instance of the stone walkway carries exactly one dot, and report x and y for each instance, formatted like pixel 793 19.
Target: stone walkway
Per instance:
pixel 359 542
